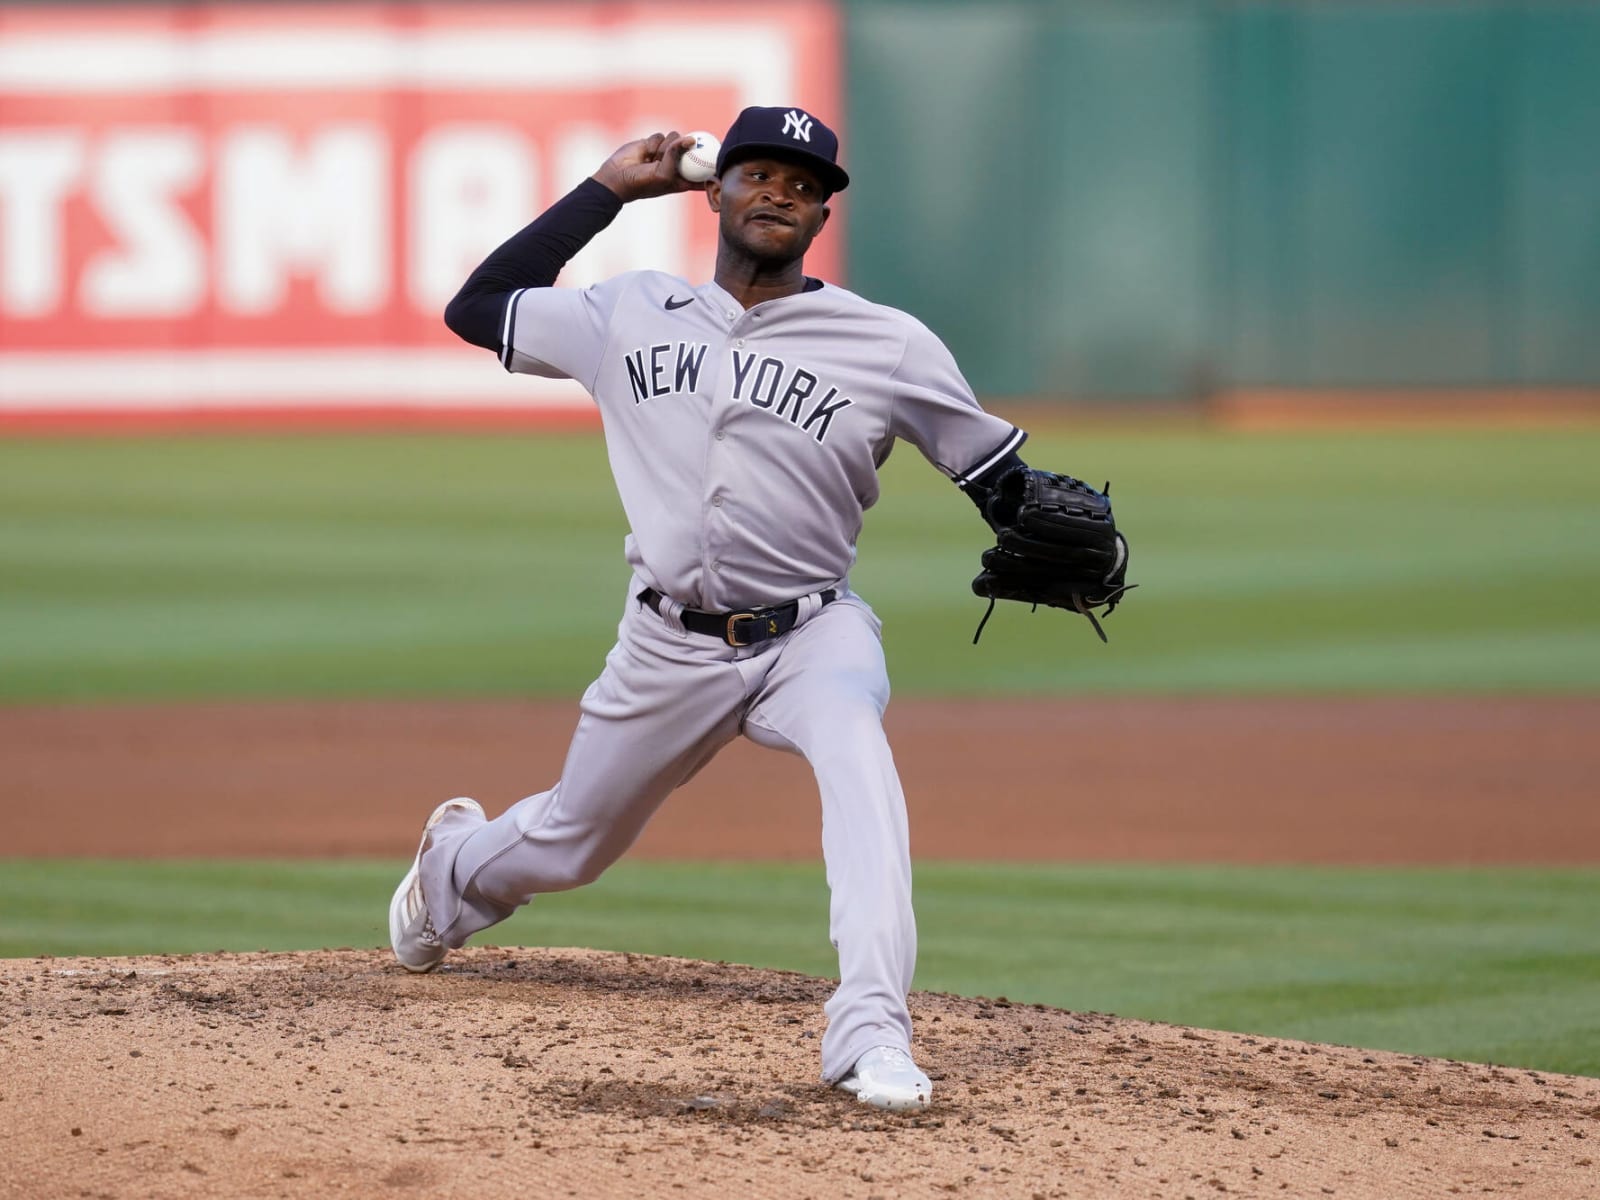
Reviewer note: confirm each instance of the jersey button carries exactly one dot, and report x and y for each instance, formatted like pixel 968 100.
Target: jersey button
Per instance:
pixel 720 435
pixel 740 344
pixel 716 502
pixel 716 566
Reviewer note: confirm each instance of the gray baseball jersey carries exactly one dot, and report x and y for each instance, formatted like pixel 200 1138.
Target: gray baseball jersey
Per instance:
pixel 746 444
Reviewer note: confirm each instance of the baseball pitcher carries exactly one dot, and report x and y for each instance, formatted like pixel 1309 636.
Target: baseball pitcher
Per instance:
pixel 745 420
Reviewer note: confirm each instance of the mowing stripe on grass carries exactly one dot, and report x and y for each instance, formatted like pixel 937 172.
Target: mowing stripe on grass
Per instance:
pixel 407 565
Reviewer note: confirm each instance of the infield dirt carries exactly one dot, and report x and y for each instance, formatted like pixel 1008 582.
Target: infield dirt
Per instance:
pixel 1276 779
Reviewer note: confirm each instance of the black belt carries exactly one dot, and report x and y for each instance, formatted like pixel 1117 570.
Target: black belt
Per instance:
pixel 739 628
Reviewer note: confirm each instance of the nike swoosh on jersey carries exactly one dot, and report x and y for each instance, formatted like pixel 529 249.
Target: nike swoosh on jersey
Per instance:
pixel 672 303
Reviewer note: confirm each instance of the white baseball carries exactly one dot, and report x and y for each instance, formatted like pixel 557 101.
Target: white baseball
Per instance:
pixel 699 161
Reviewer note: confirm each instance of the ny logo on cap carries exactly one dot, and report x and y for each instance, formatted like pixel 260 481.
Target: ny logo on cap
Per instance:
pixel 797 125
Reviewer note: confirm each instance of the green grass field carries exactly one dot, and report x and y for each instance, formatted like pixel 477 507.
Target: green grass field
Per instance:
pixel 1500 966
pixel 455 565
pixel 428 565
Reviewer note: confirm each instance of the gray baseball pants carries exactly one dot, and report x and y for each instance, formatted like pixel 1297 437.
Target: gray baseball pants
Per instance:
pixel 666 702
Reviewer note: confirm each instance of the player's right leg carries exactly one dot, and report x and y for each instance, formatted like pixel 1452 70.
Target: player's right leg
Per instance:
pixel 663 706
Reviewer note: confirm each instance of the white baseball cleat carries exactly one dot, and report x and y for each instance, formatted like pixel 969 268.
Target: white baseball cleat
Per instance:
pixel 886 1077
pixel 416 943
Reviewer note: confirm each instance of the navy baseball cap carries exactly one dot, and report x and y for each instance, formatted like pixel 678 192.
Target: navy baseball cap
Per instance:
pixel 786 132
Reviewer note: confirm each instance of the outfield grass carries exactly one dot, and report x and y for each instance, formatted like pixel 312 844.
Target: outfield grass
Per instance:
pixel 430 565
pixel 1486 965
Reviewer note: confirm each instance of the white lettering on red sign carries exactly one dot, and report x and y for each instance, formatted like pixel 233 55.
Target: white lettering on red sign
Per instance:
pixel 37 170
pixel 319 208
pixel 276 203
pixel 464 179
pixel 157 265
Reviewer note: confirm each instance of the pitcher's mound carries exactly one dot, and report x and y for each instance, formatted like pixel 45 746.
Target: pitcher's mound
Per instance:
pixel 521 1073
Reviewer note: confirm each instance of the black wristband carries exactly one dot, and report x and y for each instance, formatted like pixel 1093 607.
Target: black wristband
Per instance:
pixel 979 488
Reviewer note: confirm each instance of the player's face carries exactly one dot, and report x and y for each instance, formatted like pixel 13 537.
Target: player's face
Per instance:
pixel 771 208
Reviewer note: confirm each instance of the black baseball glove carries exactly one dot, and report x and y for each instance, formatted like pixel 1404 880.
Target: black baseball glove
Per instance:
pixel 1057 545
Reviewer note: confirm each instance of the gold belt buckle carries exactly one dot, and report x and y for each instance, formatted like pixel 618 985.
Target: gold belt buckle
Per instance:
pixel 729 636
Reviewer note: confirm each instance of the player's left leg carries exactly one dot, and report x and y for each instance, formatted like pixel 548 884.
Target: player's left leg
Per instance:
pixel 824 698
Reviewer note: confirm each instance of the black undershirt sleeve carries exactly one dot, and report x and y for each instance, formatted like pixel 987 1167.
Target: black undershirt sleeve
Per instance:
pixel 979 487
pixel 531 258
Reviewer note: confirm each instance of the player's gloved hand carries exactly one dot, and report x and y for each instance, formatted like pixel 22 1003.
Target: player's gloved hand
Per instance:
pixel 648 167
pixel 1057 545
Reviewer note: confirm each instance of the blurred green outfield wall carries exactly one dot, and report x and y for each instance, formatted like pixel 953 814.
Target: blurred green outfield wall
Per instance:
pixel 1160 197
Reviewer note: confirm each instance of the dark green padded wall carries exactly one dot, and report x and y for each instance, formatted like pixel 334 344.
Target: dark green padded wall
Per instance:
pixel 1156 197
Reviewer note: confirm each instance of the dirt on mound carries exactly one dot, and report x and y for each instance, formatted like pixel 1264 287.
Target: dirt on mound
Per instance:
pixel 567 1072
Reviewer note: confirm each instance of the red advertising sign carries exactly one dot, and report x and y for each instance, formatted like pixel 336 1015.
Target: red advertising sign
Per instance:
pixel 246 208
